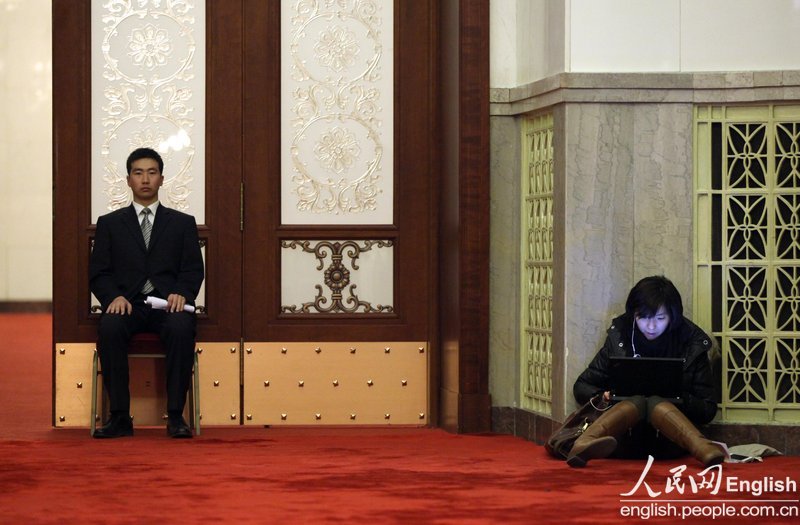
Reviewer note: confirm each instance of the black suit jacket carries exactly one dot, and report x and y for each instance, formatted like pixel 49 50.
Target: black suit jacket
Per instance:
pixel 120 264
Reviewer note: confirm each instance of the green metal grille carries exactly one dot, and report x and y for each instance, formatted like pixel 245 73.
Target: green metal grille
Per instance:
pixel 537 270
pixel 747 271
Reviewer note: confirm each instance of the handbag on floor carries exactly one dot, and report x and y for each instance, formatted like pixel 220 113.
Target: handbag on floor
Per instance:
pixel 560 442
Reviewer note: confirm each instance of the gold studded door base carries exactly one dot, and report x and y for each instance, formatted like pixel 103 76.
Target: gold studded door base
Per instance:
pixel 367 383
pixel 219 365
pixel 73 389
pixel 73 393
pixel 219 397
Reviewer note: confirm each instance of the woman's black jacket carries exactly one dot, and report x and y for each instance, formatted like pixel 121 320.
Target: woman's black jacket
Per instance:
pixel 698 389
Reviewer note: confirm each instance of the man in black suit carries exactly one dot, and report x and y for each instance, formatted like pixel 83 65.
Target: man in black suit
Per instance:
pixel 145 249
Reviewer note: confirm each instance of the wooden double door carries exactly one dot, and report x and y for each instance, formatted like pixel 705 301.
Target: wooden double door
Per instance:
pixel 243 234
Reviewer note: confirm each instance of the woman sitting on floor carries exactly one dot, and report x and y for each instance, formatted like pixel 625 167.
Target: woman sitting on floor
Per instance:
pixel 653 325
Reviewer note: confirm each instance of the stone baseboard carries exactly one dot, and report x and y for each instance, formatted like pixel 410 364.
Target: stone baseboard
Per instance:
pixel 537 428
pixel 522 423
pixel 785 438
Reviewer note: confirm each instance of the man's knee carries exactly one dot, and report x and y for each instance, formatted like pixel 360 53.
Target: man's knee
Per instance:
pixel 113 327
pixel 179 325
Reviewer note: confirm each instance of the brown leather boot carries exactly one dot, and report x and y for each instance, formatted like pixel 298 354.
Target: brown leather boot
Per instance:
pixel 599 440
pixel 671 422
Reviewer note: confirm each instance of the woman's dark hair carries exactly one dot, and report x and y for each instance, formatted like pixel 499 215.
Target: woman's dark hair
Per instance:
pixel 650 294
pixel 144 153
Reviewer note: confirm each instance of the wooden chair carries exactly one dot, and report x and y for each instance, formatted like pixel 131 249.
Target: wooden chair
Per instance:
pixel 148 346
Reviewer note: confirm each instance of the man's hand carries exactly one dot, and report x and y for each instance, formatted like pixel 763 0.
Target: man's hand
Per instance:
pixel 175 302
pixel 120 306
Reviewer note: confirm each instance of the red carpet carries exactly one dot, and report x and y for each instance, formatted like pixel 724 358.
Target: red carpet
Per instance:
pixel 319 475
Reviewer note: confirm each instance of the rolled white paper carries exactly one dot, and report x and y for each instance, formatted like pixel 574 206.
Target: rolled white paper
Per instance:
pixel 161 304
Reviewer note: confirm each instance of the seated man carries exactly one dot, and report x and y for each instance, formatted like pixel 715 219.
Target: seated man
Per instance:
pixel 145 249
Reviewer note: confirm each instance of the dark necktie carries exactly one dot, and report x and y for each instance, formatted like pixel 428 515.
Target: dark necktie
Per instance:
pixel 147 228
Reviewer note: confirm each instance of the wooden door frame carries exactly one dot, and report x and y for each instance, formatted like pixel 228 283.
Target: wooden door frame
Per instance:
pixel 415 191
pixel 464 227
pixel 73 229
pixel 461 252
pixel 416 185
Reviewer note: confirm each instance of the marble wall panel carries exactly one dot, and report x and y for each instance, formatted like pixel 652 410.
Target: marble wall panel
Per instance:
pixel 599 225
pixel 662 182
pixel 561 391
pixel 628 213
pixel 504 267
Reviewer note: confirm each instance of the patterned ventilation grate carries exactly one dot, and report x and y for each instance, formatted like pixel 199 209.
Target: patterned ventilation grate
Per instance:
pixel 747 172
pixel 537 269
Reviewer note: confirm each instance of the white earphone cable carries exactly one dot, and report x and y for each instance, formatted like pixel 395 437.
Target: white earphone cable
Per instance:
pixel 633 346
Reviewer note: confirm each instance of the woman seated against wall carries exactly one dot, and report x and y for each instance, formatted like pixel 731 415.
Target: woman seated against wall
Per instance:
pixel 653 325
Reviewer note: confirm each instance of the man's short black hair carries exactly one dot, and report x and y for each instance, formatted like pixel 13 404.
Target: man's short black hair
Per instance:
pixel 145 153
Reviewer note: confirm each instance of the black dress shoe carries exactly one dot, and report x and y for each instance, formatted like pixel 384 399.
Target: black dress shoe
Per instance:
pixel 117 426
pixel 177 428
